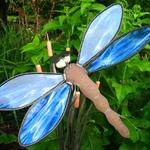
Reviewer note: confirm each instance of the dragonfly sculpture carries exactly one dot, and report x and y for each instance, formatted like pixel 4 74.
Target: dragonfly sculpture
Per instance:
pixel 50 92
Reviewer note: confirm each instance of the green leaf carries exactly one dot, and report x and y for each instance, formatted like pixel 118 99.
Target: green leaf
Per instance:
pixel 82 31
pixel 125 111
pixel 147 46
pixel 73 9
pixel 142 123
pixel 146 110
pixel 84 6
pixel 144 136
pixel 136 9
pixel 36 59
pixel 22 68
pixel 122 90
pixel 141 14
pixel 45 55
pixel 7 138
pixel 32 46
pixel 76 44
pixel 75 18
pixel 62 19
pixel 51 26
pixel 133 130
pixel 127 145
pixel 36 41
pixel 137 63
pixel 145 21
pixel 93 139
pixel 98 7
pixel 42 45
pixel 48 143
pixel 27 47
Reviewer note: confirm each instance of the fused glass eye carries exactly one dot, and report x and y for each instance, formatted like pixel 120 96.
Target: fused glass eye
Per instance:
pixel 61 60
pixel 61 63
pixel 67 59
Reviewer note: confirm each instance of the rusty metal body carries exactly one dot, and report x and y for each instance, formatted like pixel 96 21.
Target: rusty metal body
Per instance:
pixel 78 76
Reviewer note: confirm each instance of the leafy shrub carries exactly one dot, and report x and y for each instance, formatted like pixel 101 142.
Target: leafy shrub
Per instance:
pixel 126 85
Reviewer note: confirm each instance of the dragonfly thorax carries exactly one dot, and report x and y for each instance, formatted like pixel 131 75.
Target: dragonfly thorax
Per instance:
pixel 75 74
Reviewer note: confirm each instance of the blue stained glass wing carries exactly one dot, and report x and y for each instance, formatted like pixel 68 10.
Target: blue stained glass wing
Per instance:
pixel 121 49
pixel 100 32
pixel 22 90
pixel 43 117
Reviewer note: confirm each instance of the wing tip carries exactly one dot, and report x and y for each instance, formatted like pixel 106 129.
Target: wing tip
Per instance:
pixel 25 143
pixel 120 6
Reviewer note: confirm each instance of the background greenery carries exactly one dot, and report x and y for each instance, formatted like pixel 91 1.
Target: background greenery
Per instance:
pixel 126 86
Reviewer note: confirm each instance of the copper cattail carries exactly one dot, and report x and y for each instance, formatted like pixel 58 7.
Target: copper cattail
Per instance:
pixel 68 49
pixel 49 46
pixel 77 99
pixel 38 68
pixel 98 84
pixel 49 49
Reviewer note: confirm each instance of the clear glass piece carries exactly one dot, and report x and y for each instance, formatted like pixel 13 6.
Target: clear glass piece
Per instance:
pixel 100 32
pixel 24 89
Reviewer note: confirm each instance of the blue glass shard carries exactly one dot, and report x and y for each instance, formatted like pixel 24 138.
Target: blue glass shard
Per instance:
pixel 100 32
pixel 24 89
pixel 43 117
pixel 121 49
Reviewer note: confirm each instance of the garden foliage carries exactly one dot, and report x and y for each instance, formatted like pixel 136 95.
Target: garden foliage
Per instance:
pixel 125 85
